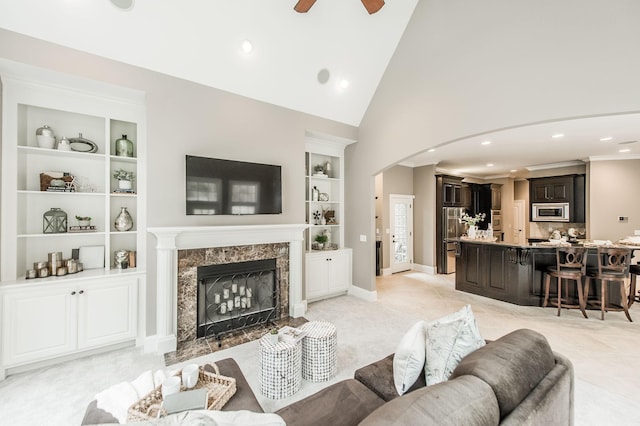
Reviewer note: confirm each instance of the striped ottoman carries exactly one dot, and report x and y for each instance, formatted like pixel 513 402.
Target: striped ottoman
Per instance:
pixel 319 351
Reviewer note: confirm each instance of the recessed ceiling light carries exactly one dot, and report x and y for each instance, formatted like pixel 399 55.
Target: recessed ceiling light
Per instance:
pixel 558 135
pixel 431 150
pixel 608 138
pixel 247 46
pixel 489 164
pixel 123 4
pixel 513 170
pixel 344 84
pixel 323 76
pixel 625 150
pixel 486 143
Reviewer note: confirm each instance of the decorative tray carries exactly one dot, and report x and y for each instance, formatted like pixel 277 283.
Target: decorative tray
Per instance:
pixel 220 389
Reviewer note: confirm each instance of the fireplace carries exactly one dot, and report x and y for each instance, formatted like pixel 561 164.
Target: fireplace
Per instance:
pixel 180 250
pixel 235 296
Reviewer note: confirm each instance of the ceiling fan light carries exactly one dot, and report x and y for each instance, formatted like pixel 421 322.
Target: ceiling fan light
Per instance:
pixel 303 6
pixel 373 6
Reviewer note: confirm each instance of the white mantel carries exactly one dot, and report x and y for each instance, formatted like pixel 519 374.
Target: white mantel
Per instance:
pixel 174 238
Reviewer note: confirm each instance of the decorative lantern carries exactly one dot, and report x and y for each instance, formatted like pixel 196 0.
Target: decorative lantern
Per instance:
pixel 54 221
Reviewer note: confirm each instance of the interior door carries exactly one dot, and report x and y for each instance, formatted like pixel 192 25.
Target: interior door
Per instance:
pixel 401 224
pixel 519 220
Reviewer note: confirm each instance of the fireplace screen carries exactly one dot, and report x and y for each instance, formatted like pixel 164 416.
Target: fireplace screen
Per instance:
pixel 235 296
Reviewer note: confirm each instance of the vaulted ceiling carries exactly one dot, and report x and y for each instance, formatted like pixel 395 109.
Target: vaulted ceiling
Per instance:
pixel 299 60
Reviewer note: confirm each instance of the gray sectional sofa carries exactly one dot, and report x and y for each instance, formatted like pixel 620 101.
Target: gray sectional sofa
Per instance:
pixel 515 380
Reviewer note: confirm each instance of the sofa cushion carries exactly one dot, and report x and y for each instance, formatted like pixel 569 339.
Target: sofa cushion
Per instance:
pixel 343 403
pixel 512 365
pixel 408 361
pixel 449 339
pixel 378 377
pixel 465 401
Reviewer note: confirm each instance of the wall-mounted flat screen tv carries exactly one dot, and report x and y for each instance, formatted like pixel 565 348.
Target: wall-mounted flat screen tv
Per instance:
pixel 226 187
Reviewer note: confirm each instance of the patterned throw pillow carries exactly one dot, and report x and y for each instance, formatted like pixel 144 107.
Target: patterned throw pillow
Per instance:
pixel 449 339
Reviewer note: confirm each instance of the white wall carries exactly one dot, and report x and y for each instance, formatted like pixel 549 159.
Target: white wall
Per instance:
pixel 464 68
pixel 613 187
pixel 187 118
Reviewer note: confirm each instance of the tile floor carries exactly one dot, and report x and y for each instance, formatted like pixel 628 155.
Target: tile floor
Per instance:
pixel 605 354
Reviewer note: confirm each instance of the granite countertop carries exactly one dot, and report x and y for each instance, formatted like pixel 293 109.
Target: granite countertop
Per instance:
pixel 549 244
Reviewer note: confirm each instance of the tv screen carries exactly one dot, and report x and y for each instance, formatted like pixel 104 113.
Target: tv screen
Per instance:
pixel 225 187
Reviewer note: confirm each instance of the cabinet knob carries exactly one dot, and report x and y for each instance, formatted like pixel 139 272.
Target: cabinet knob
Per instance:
pixel 73 293
pixel 81 291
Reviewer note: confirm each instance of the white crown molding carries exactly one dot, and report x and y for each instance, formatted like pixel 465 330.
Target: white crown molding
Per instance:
pixel 614 157
pixel 555 165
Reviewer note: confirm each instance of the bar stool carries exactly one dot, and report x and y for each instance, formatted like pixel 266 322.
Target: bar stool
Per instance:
pixel 633 297
pixel 571 263
pixel 613 267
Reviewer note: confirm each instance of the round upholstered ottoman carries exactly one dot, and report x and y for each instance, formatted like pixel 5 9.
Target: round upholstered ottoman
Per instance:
pixel 280 368
pixel 319 351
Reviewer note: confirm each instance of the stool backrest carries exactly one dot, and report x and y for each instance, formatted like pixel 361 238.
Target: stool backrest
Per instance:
pixel 613 260
pixel 571 259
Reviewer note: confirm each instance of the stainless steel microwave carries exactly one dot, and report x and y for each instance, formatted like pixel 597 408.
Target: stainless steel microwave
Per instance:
pixel 550 212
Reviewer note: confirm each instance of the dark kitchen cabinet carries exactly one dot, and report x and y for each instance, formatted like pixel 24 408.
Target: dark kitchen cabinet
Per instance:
pixel 552 190
pixel 561 189
pixel 466 195
pixel 496 196
pixel 452 192
pixel 499 271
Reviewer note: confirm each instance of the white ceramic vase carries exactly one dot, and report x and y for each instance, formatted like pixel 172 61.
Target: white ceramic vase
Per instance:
pixel 124 184
pixel 472 232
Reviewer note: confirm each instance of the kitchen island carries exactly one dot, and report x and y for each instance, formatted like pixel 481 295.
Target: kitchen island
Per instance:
pixel 508 272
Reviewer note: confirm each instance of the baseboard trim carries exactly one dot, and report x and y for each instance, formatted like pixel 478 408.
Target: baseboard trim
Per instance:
pixel 424 268
pixel 385 271
pixel 360 293
pixel 160 344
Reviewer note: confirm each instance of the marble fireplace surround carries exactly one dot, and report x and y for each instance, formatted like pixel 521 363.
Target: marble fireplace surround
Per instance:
pixel 171 240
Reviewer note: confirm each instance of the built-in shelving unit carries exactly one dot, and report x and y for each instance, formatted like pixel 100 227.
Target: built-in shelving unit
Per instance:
pixel 100 113
pixel 327 269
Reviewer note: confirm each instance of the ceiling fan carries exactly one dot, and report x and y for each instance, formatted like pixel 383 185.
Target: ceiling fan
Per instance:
pixel 372 6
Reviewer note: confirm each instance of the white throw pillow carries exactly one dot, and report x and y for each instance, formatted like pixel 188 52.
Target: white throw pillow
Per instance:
pixel 449 339
pixel 408 361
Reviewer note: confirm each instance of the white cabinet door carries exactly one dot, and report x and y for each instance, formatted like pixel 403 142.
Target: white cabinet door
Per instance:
pixel 339 271
pixel 317 275
pixel 327 273
pixel 107 312
pixel 38 323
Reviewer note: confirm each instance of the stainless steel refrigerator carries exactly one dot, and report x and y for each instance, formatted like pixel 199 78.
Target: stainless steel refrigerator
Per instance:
pixel 452 229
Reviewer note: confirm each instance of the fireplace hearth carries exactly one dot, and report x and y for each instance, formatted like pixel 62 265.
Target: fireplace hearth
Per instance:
pixel 235 296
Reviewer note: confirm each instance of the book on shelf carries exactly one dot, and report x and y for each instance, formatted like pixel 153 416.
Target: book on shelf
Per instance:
pixel 59 189
pixel 291 334
pixel 90 228
pixel 123 191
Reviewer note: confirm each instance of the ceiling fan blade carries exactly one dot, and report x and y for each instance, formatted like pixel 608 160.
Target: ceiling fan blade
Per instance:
pixel 373 6
pixel 303 6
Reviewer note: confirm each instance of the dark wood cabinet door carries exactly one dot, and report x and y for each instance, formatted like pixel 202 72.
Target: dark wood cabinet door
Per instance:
pixel 552 190
pixel 496 197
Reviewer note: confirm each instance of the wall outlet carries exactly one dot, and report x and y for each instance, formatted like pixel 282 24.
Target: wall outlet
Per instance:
pixel 623 218
pixel 363 238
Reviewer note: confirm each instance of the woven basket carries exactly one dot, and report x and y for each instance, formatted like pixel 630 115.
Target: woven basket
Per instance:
pixel 220 389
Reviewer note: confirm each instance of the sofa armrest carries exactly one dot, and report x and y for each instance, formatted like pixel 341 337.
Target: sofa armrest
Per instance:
pixel 378 377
